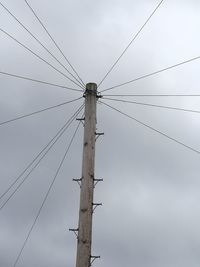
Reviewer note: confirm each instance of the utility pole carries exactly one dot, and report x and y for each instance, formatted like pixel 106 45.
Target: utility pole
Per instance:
pixel 87 181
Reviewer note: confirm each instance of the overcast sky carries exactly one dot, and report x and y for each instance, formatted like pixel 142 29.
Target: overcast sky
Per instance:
pixel 150 194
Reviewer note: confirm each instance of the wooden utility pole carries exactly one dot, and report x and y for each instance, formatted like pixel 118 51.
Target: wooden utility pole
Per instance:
pixel 87 180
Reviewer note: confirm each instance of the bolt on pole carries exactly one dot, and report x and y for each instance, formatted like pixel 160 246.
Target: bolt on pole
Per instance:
pixel 87 180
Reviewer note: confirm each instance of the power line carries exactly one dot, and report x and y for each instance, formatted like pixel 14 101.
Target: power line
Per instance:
pixel 151 95
pixel 152 128
pixel 134 38
pixel 46 49
pixel 32 52
pixel 53 40
pixel 48 147
pixel 39 81
pixel 151 74
pixel 152 105
pixel 46 196
pixel 39 111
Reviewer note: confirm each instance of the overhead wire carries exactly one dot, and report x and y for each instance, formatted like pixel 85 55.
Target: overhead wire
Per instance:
pixel 152 128
pixel 39 111
pixel 152 95
pixel 134 38
pixel 38 41
pixel 46 196
pixel 42 59
pixel 46 149
pixel 53 40
pixel 151 74
pixel 39 81
pixel 153 105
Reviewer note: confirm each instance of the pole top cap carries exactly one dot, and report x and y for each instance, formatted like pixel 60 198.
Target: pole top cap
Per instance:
pixel 91 88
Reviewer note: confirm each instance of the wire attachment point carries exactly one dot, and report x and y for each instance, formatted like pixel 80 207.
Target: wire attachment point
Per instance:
pixel 81 120
pixel 96 181
pixel 99 95
pixel 78 181
pixel 75 231
pixel 93 258
pixel 95 205
pixel 98 135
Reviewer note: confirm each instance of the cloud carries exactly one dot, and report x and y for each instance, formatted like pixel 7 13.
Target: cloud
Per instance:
pixel 150 189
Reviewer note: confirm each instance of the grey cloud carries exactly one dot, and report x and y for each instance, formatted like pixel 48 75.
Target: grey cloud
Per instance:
pixel 150 193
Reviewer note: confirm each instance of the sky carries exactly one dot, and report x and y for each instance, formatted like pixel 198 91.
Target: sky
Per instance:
pixel 151 214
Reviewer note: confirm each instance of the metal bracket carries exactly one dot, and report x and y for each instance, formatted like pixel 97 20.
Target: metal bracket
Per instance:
pixel 81 120
pixel 98 135
pixel 96 181
pixel 93 258
pixel 99 95
pixel 75 231
pixel 95 205
pixel 78 181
